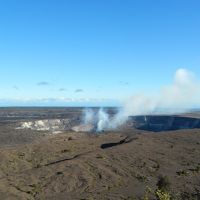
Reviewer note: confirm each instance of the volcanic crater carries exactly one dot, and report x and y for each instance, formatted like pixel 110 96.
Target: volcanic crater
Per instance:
pixel 155 123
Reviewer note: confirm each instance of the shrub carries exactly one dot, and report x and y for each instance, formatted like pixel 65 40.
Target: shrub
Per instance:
pixel 161 195
pixel 163 184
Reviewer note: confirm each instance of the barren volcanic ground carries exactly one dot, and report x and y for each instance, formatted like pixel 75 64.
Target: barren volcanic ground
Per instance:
pixel 146 161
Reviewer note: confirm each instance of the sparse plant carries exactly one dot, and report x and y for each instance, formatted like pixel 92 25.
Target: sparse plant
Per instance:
pixel 145 197
pixel 147 192
pixel 162 195
pixel 182 173
pixel 141 177
pixel 162 191
pixel 163 183
pixel 195 170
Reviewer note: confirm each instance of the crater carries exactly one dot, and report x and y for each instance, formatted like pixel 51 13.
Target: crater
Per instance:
pixel 158 123
pixel 155 123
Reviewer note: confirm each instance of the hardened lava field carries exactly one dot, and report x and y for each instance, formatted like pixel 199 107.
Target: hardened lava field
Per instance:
pixel 146 155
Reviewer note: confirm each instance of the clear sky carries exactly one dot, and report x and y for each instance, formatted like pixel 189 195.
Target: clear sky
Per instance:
pixel 93 52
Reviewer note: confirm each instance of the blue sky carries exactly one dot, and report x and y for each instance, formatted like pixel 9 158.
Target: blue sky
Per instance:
pixel 93 52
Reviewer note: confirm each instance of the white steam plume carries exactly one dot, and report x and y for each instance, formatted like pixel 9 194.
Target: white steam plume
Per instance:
pixel 99 119
pixel 89 116
pixel 103 120
pixel 183 93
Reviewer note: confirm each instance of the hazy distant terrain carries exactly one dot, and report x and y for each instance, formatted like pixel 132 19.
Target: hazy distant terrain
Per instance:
pixel 127 163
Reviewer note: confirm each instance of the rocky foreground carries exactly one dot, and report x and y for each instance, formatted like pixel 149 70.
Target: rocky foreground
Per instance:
pixel 131 165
